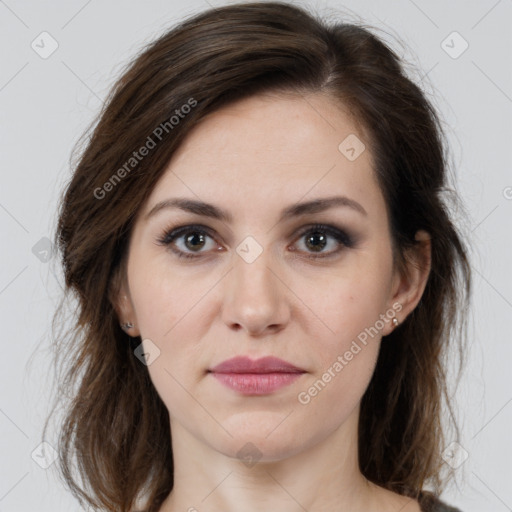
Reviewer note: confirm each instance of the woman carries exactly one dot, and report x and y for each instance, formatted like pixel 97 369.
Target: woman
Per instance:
pixel 267 276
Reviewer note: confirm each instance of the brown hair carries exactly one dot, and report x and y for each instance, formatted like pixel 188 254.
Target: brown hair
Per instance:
pixel 116 427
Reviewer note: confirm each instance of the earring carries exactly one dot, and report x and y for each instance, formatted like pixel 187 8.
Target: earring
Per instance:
pixel 395 322
pixel 127 326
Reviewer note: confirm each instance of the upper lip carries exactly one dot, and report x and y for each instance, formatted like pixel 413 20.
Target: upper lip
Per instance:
pixel 243 364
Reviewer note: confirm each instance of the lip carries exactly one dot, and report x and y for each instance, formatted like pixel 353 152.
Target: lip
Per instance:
pixel 259 377
pixel 243 364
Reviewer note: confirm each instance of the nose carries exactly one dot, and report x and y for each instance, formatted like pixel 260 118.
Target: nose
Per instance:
pixel 255 297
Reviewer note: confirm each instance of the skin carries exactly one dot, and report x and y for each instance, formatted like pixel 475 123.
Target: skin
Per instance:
pixel 254 158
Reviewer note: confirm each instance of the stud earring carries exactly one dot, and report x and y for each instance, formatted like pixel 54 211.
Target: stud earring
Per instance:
pixel 395 322
pixel 127 326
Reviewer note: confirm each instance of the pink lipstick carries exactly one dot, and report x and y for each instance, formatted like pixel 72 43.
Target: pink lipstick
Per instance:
pixel 259 377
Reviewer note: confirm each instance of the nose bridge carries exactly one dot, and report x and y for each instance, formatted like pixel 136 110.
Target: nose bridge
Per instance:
pixel 255 298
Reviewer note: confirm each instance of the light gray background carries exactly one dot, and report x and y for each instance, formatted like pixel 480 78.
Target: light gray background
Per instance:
pixel 47 103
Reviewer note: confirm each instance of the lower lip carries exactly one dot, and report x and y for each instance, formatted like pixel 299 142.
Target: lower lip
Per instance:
pixel 256 383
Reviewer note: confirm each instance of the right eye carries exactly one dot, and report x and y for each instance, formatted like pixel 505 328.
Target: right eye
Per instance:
pixel 189 238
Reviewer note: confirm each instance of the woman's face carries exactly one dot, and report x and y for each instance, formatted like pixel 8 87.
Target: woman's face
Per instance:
pixel 264 281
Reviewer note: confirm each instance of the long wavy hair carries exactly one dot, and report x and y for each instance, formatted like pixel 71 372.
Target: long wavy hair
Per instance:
pixel 114 439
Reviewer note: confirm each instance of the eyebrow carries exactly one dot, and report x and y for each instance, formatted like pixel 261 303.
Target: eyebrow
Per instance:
pixel 210 210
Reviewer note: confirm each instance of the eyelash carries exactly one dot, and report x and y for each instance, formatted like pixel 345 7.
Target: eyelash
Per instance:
pixel 170 235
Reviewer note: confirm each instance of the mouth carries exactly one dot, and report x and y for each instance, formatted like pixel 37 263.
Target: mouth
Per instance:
pixel 260 377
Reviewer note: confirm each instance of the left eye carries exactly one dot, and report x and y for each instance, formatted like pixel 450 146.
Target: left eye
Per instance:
pixel 316 238
pixel 194 239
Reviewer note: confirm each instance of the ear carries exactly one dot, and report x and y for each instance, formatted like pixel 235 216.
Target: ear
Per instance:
pixel 410 280
pixel 120 298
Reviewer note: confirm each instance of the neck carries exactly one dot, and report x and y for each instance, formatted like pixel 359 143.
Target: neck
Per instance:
pixel 322 477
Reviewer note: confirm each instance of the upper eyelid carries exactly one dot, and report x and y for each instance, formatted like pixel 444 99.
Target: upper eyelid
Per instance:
pixel 181 230
pixel 209 230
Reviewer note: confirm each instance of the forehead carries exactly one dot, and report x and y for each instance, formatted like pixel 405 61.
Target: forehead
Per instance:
pixel 272 149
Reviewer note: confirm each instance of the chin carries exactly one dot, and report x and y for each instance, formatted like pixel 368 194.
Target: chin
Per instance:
pixel 257 450
pixel 261 442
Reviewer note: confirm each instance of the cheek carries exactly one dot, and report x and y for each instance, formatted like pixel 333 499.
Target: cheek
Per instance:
pixel 351 306
pixel 348 351
pixel 347 354
pixel 164 299
pixel 167 308
pixel 334 394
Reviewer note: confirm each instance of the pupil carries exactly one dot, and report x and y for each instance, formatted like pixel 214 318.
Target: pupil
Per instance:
pixel 192 241
pixel 318 235
pixel 194 237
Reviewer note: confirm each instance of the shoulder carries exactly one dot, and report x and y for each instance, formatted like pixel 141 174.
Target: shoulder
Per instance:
pixel 431 503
